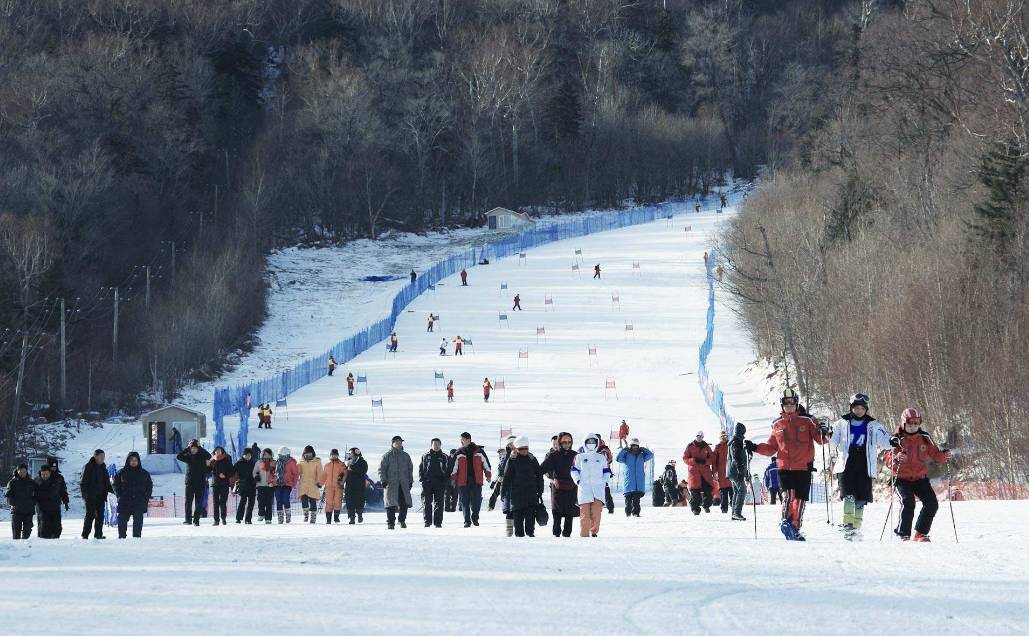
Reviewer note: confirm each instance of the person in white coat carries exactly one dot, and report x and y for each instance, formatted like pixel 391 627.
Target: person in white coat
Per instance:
pixel 591 472
pixel 857 439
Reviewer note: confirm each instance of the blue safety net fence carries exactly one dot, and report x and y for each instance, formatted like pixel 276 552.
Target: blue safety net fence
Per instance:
pixel 712 393
pixel 237 400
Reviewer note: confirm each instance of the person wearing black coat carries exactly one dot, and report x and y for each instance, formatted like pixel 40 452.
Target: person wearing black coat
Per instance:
pixel 353 491
pixel 195 458
pixel 246 486
pixel 94 486
pixel 433 474
pixel 523 488
pixel 134 487
pixel 221 475
pixel 62 485
pixel 564 494
pixel 450 495
pixel 738 470
pixel 50 494
pixel 21 496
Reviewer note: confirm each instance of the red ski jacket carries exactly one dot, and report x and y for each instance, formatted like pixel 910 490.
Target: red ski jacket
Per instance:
pixel 916 451
pixel 792 441
pixel 480 466
pixel 721 461
pixel 698 471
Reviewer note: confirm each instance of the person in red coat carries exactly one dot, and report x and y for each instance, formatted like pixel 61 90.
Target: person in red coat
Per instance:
pixel 623 435
pixel 913 450
pixel 698 457
pixel 723 487
pixel 793 441
pixel 464 278
pixel 470 470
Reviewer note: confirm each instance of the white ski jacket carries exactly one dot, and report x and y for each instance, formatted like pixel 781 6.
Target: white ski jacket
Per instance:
pixel 591 472
pixel 876 438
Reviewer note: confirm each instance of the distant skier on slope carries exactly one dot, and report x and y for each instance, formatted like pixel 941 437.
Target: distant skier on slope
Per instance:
pixel 517 302
pixel 443 346
pixel 486 388
pixel 464 278
pixel 596 271
pixel 350 384
pixel 432 319
pixel 793 438
pixel 450 391
pixel 459 346
pixel 394 342
pixel 413 276
pixel 332 365
pixel 914 449
pixel 857 439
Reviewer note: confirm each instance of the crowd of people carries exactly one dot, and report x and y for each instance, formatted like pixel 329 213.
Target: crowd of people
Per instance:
pixel 578 480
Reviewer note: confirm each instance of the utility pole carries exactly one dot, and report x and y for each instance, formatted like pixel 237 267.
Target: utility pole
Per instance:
pixel 64 361
pixel 114 348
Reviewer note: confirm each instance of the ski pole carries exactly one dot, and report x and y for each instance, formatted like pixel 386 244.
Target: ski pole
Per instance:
pixel 950 502
pixel 893 484
pixel 825 480
pixel 753 496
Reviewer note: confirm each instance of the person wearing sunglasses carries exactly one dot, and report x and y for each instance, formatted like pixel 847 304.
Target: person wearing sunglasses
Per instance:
pixel 857 439
pixel 793 441
pixel 914 449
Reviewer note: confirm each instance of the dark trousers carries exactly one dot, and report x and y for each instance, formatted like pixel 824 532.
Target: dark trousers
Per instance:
pixel 450 498
pixel 773 494
pixel 396 513
pixel 609 500
pixel 524 522
pixel 245 507
pixel 194 493
pixel 94 518
pixel 725 497
pixel 265 497
pixel 221 501
pixel 908 491
pixel 562 525
pixel 700 497
pixel 282 494
pixel 432 501
pixel 137 521
pixel 471 502
pixel 49 524
pixel 21 524
pixel 309 503
pixel 739 496
pixel 632 503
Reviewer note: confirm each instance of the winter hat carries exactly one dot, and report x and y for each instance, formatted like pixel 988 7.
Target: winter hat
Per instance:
pixel 859 399
pixel 284 451
pixel 309 449
pixel 130 456
pixel 334 452
pixel 740 428
pixel 594 437
pixel 396 438
pixel 700 433
pixel 634 441
pixel 523 442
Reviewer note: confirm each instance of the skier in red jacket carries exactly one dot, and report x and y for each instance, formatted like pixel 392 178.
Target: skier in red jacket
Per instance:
pixel 913 449
pixel 793 441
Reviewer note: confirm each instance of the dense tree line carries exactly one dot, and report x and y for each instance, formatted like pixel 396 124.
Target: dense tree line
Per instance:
pixel 891 254
pixel 158 150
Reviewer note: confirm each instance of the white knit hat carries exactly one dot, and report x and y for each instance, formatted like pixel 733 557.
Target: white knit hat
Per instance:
pixel 523 442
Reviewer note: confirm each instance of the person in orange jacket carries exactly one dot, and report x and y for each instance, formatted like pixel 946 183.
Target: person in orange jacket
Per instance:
pixel 310 467
pixel 698 457
pixel 450 391
pixel 350 384
pixel 913 450
pixel 723 487
pixel 333 476
pixel 793 441
pixel 623 435
pixel 464 278
pixel 459 346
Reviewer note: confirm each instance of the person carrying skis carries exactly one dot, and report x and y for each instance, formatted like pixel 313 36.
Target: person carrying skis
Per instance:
pixel 221 473
pixel 591 473
pixel 431 322
pixel 909 461
pixel 134 487
pixel 246 486
pixel 486 388
pixel 698 457
pixel 670 484
pixel 396 472
pixel 634 478
pixel 286 475
pixel 332 477
pixel 332 365
pixel 310 468
pixel 196 460
pixel 523 488
pixel 596 271
pixel 354 492
pixel 459 346
pixel 21 497
pixel 557 466
pixel 464 278
pixel 433 476
pixel 719 466
pixel 857 439
pixel 772 481
pixel 264 478
pixel 793 439
pixel 517 302
pixel 738 460
pixel 350 384
pixel 623 434
pixel 450 391
pixel 443 346
pixel 50 494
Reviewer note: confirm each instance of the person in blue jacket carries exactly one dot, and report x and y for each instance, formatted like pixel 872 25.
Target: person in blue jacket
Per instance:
pixel 634 478
pixel 772 481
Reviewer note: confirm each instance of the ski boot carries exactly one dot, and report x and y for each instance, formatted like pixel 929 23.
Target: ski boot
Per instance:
pixel 280 513
pixel 920 538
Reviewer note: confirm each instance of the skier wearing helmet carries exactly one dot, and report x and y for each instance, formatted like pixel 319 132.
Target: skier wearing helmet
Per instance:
pixel 591 472
pixel 910 463
pixel 523 488
pixel 792 441
pixel 857 439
